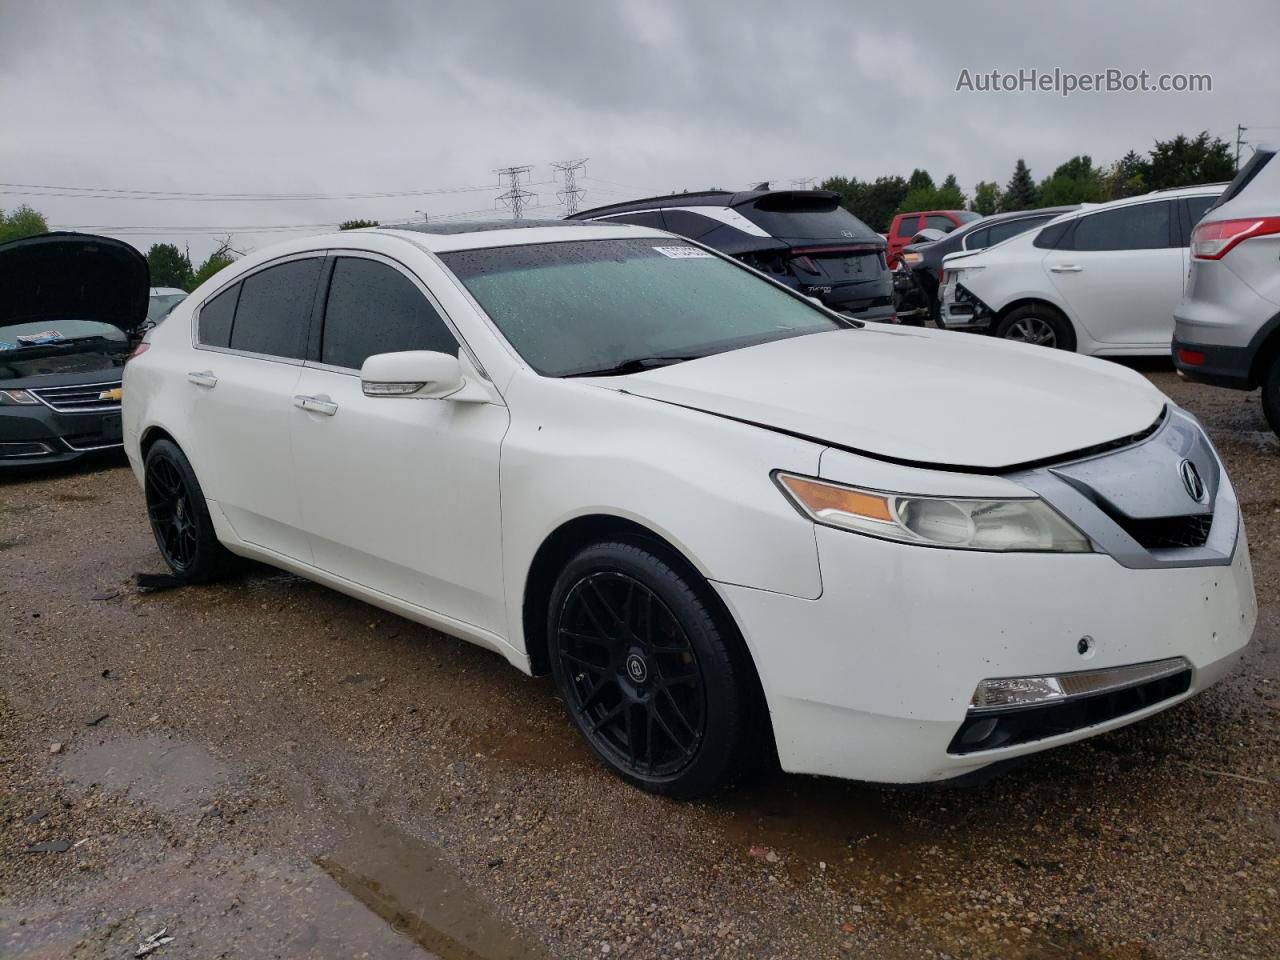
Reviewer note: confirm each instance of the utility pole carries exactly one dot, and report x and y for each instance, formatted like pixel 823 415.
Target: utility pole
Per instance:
pixel 516 196
pixel 571 191
pixel 803 183
pixel 425 218
pixel 1240 131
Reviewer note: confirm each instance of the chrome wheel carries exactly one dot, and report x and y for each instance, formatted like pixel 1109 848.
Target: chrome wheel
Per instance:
pixel 634 683
pixel 1033 329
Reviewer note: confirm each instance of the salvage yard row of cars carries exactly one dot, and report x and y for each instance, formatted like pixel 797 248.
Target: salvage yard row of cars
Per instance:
pixel 684 480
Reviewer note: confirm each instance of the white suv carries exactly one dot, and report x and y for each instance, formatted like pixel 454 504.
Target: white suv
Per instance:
pixel 721 516
pixel 1102 280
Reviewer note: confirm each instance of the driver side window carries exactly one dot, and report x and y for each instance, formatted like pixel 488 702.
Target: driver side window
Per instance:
pixel 374 308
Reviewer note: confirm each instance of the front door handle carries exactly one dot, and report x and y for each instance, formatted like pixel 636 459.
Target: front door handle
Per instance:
pixel 203 378
pixel 1066 268
pixel 319 404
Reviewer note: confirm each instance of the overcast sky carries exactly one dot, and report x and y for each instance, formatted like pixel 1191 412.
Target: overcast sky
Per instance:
pixel 378 96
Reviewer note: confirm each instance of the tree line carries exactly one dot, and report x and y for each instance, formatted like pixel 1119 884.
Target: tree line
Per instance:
pixel 1179 162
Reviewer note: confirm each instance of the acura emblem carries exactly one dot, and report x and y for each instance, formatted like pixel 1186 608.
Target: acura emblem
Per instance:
pixel 1191 480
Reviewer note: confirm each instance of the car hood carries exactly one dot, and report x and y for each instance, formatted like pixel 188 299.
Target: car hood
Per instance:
pixel 926 397
pixel 59 277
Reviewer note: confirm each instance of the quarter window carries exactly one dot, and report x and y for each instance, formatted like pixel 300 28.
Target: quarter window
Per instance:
pixel 374 308
pixel 275 309
pixel 213 329
pixel 1143 226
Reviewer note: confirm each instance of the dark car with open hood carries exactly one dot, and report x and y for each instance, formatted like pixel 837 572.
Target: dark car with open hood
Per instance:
pixel 71 309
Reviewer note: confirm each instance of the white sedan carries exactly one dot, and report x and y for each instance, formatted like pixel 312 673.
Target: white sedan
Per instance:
pixel 1102 280
pixel 725 519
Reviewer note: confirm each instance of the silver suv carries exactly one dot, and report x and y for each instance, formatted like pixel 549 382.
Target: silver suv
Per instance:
pixel 1227 327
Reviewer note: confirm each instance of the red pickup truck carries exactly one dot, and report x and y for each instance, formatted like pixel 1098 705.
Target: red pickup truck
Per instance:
pixel 907 225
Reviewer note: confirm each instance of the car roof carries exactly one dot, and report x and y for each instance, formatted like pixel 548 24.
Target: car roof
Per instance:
pixel 701 198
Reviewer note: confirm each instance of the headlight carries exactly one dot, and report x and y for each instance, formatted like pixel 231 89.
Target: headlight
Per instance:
pixel 17 396
pixel 962 523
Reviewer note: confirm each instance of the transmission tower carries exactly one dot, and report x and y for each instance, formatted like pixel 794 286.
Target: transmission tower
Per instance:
pixel 571 192
pixel 803 183
pixel 516 196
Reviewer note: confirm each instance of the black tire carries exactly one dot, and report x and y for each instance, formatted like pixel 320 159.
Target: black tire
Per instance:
pixel 180 517
pixel 1037 323
pixel 1271 394
pixel 652 672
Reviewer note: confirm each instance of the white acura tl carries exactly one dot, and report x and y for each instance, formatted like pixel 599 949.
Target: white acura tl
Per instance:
pixel 724 518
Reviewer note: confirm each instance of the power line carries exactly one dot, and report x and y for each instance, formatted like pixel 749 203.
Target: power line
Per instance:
pixel 516 195
pixel 571 192
pixel 114 193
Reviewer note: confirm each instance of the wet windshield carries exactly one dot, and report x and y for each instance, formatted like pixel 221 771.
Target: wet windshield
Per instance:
pixel 621 305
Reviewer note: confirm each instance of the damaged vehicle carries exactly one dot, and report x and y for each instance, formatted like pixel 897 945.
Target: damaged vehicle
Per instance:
pixel 71 306
pixel 723 518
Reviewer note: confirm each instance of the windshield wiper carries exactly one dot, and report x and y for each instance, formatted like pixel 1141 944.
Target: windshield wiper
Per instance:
pixel 634 365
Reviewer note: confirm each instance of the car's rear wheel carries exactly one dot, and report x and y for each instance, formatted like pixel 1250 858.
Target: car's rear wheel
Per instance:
pixel 1037 324
pixel 1271 394
pixel 180 517
pixel 652 672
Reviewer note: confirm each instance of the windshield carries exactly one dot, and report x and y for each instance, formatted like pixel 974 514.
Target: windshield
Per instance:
pixel 594 305
pixel 159 305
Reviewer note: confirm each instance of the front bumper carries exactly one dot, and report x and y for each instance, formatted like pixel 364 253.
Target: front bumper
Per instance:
pixel 873 680
pixel 38 435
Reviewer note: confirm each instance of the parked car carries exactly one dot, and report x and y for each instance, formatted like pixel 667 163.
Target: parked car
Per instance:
pixel 705 505
pixel 801 238
pixel 1102 280
pixel 906 225
pixel 162 300
pixel 1227 327
pixel 71 305
pixel 922 258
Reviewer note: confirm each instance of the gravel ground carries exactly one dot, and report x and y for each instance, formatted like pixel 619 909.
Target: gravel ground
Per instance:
pixel 265 768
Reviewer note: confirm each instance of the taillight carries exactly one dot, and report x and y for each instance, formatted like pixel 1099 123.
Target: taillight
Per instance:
pixel 138 351
pixel 1212 241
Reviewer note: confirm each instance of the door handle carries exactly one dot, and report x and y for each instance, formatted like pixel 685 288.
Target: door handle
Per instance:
pixel 203 378
pixel 1066 268
pixel 320 404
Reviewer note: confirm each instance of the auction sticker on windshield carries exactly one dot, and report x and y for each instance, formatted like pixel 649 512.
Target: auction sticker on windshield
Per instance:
pixel 684 253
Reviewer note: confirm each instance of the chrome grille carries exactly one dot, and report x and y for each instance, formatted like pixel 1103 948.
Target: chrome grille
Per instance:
pixel 79 398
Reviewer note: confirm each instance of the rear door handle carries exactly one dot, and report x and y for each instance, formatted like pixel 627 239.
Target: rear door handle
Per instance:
pixel 203 378
pixel 320 404
pixel 1066 268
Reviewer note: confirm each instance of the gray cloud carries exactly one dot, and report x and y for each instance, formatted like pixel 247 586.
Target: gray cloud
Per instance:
pixel 334 96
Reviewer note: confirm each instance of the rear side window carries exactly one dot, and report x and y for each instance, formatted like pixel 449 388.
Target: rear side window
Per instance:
pixel 1053 236
pixel 1143 226
pixel 979 239
pixel 1197 207
pixel 907 226
pixel 214 326
pixel 1003 231
pixel 374 308
pixel 275 309
pixel 688 224
pixel 939 222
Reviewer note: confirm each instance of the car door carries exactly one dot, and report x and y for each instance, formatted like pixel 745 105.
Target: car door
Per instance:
pixel 398 494
pixel 250 341
pixel 1120 273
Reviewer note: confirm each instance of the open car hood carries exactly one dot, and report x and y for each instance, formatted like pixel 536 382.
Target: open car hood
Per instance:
pixel 925 397
pixel 59 277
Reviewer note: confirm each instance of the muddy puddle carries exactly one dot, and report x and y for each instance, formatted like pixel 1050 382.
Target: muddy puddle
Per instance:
pixel 171 775
pixel 411 886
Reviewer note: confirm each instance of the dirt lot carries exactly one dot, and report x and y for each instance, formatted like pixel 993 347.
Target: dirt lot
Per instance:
pixel 265 768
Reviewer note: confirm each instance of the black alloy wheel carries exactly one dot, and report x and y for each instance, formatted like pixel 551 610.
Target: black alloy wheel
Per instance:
pixel 652 671
pixel 180 517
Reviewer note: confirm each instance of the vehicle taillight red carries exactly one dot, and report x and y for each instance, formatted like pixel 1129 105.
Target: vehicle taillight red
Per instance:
pixel 1214 239
pixel 1192 358
pixel 138 351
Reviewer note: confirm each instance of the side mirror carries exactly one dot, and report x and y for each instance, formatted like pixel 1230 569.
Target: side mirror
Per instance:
pixel 411 373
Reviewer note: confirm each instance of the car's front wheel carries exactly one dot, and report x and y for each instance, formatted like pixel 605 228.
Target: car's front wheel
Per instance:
pixel 1271 394
pixel 652 672
pixel 180 517
pixel 1037 324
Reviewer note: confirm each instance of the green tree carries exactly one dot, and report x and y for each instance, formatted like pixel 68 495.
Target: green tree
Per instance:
pixel 224 256
pixel 1076 181
pixel 23 222
pixel 1020 193
pixel 1183 162
pixel 986 197
pixel 950 196
pixel 170 267
pixel 874 202
pixel 1127 177
pixel 919 180
pixel 357 224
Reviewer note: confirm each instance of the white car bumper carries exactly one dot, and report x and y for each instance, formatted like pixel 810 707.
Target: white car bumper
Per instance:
pixel 873 680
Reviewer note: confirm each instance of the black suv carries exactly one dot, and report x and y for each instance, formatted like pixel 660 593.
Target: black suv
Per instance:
pixel 71 307
pixel 802 238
